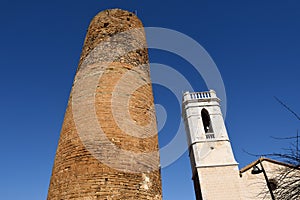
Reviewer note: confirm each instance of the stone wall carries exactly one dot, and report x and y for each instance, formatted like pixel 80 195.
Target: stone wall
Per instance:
pixel 220 182
pixel 89 166
pixel 253 186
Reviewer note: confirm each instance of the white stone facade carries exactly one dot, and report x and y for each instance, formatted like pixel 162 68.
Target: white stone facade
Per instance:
pixel 215 172
pixel 211 154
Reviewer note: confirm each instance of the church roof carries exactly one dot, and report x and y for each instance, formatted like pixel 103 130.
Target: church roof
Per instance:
pixel 261 159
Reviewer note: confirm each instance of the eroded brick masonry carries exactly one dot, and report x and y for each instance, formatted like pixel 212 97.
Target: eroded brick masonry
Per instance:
pixel 78 171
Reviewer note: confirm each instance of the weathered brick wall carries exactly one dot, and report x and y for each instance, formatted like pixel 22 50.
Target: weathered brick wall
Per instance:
pixel 77 172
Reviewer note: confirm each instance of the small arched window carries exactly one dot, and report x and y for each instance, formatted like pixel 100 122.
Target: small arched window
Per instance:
pixel 206 121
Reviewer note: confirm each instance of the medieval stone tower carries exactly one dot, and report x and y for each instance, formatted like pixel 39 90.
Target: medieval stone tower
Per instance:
pixel 215 171
pixel 108 146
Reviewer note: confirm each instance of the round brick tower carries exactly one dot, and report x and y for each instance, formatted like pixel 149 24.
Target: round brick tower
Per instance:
pixel 108 147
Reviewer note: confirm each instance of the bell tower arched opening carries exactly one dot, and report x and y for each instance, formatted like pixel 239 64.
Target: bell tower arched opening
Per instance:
pixel 206 121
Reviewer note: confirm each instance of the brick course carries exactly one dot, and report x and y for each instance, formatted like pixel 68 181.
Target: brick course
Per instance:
pixel 77 173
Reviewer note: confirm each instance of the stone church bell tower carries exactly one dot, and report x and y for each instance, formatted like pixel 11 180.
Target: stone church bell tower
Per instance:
pixel 215 170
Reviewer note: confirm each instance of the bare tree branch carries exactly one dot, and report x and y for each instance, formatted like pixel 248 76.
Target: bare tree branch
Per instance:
pixel 288 178
pixel 288 108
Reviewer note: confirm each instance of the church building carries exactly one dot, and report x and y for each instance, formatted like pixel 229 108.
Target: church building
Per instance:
pixel 215 171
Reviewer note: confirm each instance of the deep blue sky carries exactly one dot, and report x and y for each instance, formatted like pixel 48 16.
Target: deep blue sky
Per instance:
pixel 255 44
